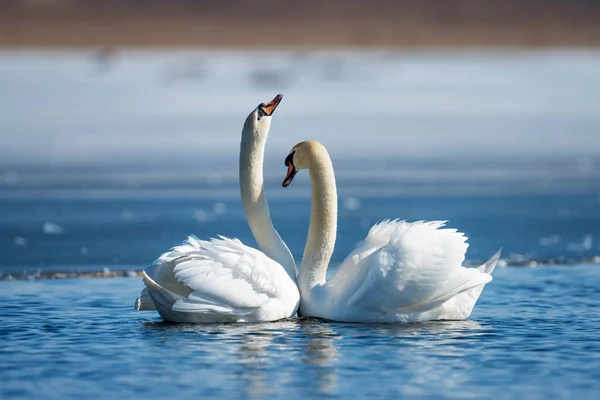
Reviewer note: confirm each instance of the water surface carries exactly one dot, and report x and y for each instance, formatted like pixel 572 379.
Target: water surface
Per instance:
pixel 533 334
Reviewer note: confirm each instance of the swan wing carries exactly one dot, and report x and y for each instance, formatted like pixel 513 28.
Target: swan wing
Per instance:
pixel 406 267
pixel 222 277
pixel 378 236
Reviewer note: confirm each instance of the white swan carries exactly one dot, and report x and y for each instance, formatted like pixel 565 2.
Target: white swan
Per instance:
pixel 401 272
pixel 223 280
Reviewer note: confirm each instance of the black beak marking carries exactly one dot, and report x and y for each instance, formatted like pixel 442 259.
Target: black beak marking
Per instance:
pixel 289 162
pixel 290 159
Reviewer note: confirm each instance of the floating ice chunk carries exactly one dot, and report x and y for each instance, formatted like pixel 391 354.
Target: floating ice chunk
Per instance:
pixel 516 257
pixel 50 228
pixel 351 204
pixel 200 215
pixel 549 240
pixel 586 244
pixel 20 241
pixel 219 208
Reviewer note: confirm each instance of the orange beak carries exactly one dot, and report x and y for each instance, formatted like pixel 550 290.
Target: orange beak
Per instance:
pixel 272 105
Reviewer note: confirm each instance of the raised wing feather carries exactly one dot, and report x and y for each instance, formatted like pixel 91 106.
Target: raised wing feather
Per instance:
pixel 378 236
pixel 402 267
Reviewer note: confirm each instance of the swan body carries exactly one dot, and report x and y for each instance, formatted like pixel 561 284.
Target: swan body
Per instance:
pixel 401 272
pixel 223 280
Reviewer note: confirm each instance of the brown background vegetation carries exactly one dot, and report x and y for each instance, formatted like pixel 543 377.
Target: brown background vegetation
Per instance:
pixel 305 23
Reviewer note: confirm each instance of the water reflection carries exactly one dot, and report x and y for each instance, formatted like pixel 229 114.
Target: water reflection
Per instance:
pixel 249 350
pixel 426 328
pixel 256 351
pixel 425 352
pixel 321 354
pixel 268 358
pixel 253 354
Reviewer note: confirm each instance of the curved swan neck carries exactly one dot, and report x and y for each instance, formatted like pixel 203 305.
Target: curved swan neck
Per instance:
pixel 323 222
pixel 252 149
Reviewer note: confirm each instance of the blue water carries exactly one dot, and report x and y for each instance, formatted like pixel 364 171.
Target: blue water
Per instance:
pixel 107 167
pixel 532 335
pixel 125 233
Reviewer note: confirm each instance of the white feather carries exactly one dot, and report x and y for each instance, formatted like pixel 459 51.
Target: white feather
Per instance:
pixel 221 280
pixel 403 272
pixel 144 302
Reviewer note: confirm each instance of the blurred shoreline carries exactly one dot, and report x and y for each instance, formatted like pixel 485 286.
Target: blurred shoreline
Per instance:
pixel 156 124
pixel 317 24
pixel 91 272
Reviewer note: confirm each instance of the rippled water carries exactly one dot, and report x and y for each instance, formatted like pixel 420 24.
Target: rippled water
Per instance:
pixel 533 334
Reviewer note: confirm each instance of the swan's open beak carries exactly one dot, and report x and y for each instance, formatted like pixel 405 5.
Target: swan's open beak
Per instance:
pixel 272 105
pixel 289 177
pixel 291 172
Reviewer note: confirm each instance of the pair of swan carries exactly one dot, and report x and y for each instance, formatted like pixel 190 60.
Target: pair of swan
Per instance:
pixel 401 272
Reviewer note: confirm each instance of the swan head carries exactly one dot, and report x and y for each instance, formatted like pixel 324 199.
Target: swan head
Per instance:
pixel 300 157
pixel 258 121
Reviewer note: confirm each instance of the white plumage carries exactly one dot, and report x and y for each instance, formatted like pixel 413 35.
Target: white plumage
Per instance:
pixel 221 280
pixel 401 272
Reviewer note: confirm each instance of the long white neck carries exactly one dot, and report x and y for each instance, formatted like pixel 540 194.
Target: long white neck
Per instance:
pixel 323 223
pixel 252 149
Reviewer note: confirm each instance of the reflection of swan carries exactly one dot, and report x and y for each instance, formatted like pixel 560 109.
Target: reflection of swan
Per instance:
pixel 319 349
pixel 321 352
pixel 401 272
pixel 254 352
pixel 440 330
pixel 223 280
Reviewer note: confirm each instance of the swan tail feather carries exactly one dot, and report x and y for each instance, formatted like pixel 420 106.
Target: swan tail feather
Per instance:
pixel 144 302
pixel 490 264
pixel 162 298
pixel 464 282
